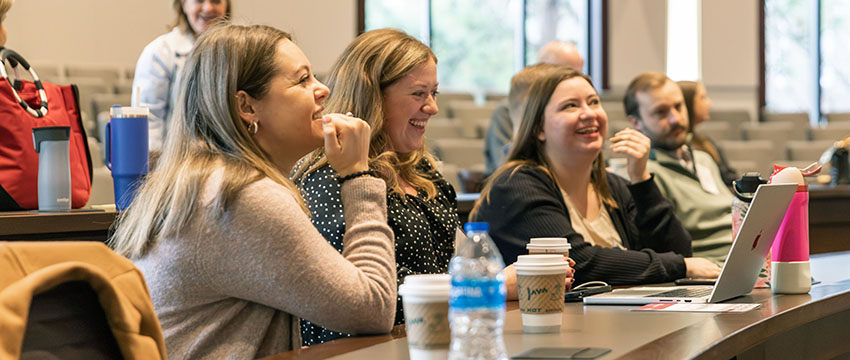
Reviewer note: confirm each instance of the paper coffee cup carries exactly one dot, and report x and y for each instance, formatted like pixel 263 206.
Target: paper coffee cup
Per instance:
pixel 426 315
pixel 554 245
pixel 541 283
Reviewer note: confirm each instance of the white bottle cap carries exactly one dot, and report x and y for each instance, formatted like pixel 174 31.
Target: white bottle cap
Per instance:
pixel 789 175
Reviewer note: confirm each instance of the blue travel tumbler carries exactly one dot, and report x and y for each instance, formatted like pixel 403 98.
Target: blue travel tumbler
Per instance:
pixel 127 151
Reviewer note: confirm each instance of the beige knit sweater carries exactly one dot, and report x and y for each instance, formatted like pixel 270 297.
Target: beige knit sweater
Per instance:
pixel 233 289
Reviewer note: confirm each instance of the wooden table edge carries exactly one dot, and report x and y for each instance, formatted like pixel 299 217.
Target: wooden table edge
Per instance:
pixel 729 345
pixel 346 345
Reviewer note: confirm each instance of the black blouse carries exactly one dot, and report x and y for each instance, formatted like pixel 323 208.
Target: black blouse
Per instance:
pixel 424 230
pixel 527 203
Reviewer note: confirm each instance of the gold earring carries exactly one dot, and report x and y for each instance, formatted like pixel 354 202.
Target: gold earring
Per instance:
pixel 252 127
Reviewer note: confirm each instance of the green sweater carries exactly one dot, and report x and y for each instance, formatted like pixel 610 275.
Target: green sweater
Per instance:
pixel 706 216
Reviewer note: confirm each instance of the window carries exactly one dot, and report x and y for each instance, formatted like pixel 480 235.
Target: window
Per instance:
pixel 480 44
pixel 835 74
pixel 805 56
pixel 403 15
pixel 683 40
pixel 474 42
pixel 787 47
pixel 548 20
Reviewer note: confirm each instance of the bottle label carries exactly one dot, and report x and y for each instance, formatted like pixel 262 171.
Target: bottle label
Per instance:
pixel 739 211
pixel 477 293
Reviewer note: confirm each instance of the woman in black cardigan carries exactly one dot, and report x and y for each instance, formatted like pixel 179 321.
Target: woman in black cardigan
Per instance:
pixel 555 184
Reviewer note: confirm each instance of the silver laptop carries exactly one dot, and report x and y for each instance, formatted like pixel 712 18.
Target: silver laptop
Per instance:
pixel 742 266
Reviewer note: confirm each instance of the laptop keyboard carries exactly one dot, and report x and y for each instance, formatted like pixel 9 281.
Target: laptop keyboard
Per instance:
pixel 685 292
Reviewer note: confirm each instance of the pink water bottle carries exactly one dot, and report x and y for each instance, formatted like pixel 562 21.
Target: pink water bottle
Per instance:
pixel 790 272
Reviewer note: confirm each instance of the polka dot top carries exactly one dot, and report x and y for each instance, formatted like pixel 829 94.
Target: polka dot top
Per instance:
pixel 424 231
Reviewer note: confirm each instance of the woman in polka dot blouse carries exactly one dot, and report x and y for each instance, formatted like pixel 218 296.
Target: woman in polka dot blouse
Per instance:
pixel 388 79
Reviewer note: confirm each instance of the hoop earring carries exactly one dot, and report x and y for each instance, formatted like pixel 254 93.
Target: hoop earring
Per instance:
pixel 252 127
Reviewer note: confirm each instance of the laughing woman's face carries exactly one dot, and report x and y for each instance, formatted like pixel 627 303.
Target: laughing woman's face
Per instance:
pixel 408 104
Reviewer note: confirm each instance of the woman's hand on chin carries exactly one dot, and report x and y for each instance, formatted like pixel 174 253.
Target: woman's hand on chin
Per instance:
pixel 635 145
pixel 346 143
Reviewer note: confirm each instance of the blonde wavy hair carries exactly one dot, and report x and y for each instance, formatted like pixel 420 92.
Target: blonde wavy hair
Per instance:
pixel 372 62
pixel 206 134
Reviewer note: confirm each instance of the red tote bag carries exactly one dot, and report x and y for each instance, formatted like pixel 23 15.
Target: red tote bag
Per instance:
pixel 25 105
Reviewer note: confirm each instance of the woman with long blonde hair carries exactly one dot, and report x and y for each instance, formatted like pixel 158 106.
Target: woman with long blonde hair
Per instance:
pixel 389 79
pixel 554 184
pixel 222 235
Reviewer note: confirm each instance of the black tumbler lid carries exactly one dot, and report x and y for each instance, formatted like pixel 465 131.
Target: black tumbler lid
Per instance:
pixel 50 133
pixel 746 186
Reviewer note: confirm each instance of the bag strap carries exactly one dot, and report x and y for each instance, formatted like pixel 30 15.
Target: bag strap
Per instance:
pixel 15 59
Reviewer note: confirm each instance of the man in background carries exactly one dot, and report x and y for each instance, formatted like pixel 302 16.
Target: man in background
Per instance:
pixel 689 178
pixel 506 116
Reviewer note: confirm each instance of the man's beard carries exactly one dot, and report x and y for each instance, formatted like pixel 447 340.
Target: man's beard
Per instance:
pixel 668 143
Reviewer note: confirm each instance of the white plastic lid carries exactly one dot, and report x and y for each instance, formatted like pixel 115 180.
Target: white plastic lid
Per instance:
pixel 541 264
pixel 553 243
pixel 540 259
pixel 789 175
pixel 437 286
pixel 128 111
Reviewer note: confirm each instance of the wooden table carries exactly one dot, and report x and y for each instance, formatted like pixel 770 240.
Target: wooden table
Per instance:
pixel 829 217
pixel 71 226
pixel 809 326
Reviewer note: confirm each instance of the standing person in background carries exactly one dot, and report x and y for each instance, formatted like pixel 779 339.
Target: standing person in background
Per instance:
pixel 689 178
pixel 698 105
pixel 5 5
pixel 162 59
pixel 504 122
pixel 389 79
pixel 220 233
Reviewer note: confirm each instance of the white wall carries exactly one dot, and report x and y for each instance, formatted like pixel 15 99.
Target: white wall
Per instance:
pixel 638 43
pixel 637 38
pixel 322 28
pixel 730 55
pixel 115 31
pixel 730 42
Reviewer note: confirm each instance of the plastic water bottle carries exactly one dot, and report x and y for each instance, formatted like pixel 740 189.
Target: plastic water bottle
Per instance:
pixel 745 189
pixel 477 300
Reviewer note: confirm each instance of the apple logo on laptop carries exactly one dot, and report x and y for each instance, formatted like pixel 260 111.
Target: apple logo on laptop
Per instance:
pixel 756 240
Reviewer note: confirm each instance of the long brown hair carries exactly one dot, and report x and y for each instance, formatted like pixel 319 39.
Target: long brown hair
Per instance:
pixel 528 150
pixel 372 62
pixel 182 21
pixel 204 135
pixel 698 142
